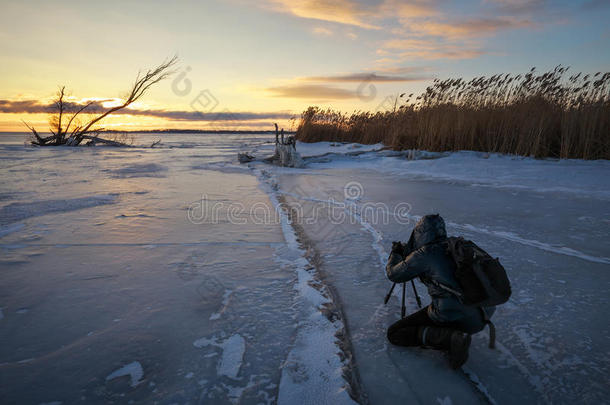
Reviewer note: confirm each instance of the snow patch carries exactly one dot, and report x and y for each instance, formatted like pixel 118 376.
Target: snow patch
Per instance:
pixel 313 370
pixel 322 148
pixel 233 350
pixel 134 370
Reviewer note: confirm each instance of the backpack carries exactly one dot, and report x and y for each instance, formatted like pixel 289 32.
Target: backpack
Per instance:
pixel 482 279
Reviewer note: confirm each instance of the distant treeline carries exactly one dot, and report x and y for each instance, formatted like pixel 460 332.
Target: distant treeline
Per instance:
pixel 540 115
pixel 197 131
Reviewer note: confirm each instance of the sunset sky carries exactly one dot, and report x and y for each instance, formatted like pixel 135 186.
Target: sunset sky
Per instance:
pixel 245 64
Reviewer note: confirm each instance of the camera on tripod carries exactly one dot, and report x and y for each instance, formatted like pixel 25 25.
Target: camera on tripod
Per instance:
pixel 403 250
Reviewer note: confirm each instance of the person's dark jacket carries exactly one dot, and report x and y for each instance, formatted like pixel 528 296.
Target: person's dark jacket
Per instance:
pixel 430 261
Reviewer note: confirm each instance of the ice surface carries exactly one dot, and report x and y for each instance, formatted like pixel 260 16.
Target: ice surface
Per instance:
pixel 10 229
pixel 19 211
pixel 232 356
pixel 225 302
pixel 133 370
pixel 551 334
pixel 140 170
pixel 118 261
pixel 144 258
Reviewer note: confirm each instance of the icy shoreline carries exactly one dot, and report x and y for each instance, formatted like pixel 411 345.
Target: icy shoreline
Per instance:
pixel 256 311
pixel 314 371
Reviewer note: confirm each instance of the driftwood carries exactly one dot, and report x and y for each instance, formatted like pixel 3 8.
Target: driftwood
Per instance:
pixel 74 133
pixel 286 151
pixel 94 140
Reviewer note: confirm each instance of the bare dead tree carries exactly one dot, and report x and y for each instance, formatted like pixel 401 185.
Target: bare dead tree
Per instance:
pixel 73 133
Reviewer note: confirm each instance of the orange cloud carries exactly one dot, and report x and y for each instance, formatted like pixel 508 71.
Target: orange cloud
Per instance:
pixel 356 13
pixel 417 28
pixel 467 28
pixel 338 11
pixel 409 49
pixel 407 10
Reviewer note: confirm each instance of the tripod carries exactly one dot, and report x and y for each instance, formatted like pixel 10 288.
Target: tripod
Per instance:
pixel 403 309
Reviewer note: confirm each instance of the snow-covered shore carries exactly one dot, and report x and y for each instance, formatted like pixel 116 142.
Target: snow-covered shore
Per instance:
pixel 174 274
pixel 569 176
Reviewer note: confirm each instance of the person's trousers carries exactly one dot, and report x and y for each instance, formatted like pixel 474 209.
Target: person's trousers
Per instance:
pixel 404 331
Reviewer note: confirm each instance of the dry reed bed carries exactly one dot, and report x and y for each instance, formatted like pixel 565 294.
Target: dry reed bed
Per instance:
pixel 542 115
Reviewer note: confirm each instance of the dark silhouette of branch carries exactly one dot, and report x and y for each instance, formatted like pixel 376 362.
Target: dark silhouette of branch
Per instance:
pixel 38 140
pixel 141 85
pixel 75 114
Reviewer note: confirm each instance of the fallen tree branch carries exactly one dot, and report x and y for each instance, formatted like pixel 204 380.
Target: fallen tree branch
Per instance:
pixel 59 136
pixel 94 139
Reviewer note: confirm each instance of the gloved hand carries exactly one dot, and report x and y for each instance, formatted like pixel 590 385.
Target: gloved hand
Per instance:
pixel 397 248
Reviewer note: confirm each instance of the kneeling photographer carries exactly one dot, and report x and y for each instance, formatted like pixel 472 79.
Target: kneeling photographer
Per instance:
pixel 447 323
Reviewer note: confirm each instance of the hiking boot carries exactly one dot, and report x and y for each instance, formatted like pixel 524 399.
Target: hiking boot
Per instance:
pixel 458 352
pixel 455 342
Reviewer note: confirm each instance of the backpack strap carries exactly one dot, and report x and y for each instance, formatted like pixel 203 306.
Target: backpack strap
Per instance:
pixel 486 318
pixel 492 328
pixel 444 287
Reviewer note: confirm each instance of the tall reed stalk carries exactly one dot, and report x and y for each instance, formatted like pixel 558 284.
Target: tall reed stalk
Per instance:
pixel 542 115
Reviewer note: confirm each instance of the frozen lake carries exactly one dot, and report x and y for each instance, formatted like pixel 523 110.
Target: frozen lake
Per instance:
pixel 170 275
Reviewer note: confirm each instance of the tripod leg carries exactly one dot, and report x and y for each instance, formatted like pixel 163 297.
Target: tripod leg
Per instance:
pixel 387 297
pixel 416 294
pixel 403 310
